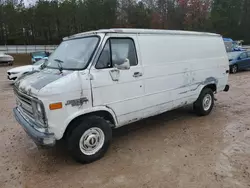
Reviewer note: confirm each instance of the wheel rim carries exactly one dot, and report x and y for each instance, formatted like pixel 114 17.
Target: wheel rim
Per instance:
pixel 207 102
pixel 91 141
pixel 234 69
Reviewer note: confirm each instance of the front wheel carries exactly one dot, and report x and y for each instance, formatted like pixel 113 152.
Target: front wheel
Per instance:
pixel 234 69
pixel 205 103
pixel 90 140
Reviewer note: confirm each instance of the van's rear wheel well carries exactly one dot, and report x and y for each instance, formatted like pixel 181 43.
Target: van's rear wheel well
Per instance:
pixel 204 104
pixel 75 122
pixel 212 87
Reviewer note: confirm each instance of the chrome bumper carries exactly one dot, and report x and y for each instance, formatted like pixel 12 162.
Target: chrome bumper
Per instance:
pixel 40 138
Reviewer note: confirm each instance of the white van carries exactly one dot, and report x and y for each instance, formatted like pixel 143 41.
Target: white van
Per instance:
pixel 100 80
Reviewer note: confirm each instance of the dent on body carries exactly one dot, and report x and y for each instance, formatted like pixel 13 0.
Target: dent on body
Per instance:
pixel 207 81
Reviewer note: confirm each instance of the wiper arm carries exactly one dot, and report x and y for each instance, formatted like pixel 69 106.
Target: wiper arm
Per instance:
pixel 44 65
pixel 58 60
pixel 59 64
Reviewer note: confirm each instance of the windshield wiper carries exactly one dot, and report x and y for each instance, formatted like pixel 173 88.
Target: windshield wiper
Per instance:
pixel 59 64
pixel 44 65
pixel 58 60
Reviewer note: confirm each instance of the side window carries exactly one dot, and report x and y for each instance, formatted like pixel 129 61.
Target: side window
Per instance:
pixel 104 60
pixel 243 56
pixel 248 53
pixel 122 49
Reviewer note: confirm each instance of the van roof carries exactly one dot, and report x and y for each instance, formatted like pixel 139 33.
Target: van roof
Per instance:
pixel 142 31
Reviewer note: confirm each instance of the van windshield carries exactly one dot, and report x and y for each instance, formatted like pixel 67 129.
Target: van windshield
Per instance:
pixel 73 54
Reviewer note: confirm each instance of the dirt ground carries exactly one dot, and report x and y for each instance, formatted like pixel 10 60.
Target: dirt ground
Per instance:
pixel 21 59
pixel 175 149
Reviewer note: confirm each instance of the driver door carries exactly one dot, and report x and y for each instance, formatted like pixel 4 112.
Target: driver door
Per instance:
pixel 120 89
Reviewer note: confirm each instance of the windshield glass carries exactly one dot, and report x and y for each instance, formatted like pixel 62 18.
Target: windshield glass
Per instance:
pixel 73 54
pixel 233 55
pixel 39 62
pixel 38 54
pixel 235 45
pixel 229 46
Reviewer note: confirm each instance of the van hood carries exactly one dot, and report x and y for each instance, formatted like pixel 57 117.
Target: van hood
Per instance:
pixel 33 82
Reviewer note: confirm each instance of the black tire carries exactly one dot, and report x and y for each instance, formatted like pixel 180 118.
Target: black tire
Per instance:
pixel 198 105
pixel 234 69
pixel 85 124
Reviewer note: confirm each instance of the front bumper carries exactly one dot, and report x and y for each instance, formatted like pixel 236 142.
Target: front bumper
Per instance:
pixel 11 77
pixel 40 138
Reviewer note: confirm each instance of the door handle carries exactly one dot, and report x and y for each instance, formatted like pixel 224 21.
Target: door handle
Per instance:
pixel 137 74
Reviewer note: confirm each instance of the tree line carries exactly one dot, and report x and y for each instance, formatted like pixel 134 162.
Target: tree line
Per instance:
pixel 47 22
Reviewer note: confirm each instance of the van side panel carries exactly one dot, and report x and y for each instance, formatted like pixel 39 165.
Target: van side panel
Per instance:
pixel 177 67
pixel 125 96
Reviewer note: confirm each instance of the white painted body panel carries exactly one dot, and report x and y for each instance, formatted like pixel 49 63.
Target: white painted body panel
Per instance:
pixel 72 86
pixel 125 96
pixel 174 66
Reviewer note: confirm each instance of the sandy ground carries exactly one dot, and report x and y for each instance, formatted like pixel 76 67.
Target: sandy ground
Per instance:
pixel 175 149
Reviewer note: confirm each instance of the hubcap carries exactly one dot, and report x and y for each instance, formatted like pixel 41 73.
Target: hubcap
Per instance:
pixel 207 102
pixel 234 69
pixel 91 141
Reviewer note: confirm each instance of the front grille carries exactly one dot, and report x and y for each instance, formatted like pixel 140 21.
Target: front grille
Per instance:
pixel 24 103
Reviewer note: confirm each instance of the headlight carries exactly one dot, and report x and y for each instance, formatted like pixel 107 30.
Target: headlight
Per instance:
pixel 39 113
pixel 39 108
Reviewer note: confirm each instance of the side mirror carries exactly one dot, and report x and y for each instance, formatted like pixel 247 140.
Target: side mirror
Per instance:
pixel 124 66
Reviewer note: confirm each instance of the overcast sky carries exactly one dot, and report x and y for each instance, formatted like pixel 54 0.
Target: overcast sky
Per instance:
pixel 27 2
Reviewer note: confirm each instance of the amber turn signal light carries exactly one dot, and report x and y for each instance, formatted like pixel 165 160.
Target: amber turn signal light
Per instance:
pixel 55 106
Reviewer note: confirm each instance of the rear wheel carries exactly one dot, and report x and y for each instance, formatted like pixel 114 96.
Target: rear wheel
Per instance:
pixel 205 103
pixel 90 140
pixel 234 69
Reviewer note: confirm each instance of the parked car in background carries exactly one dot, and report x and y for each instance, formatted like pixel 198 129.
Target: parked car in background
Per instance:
pixel 239 61
pixel 16 72
pixel 232 46
pixel 4 58
pixel 36 56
